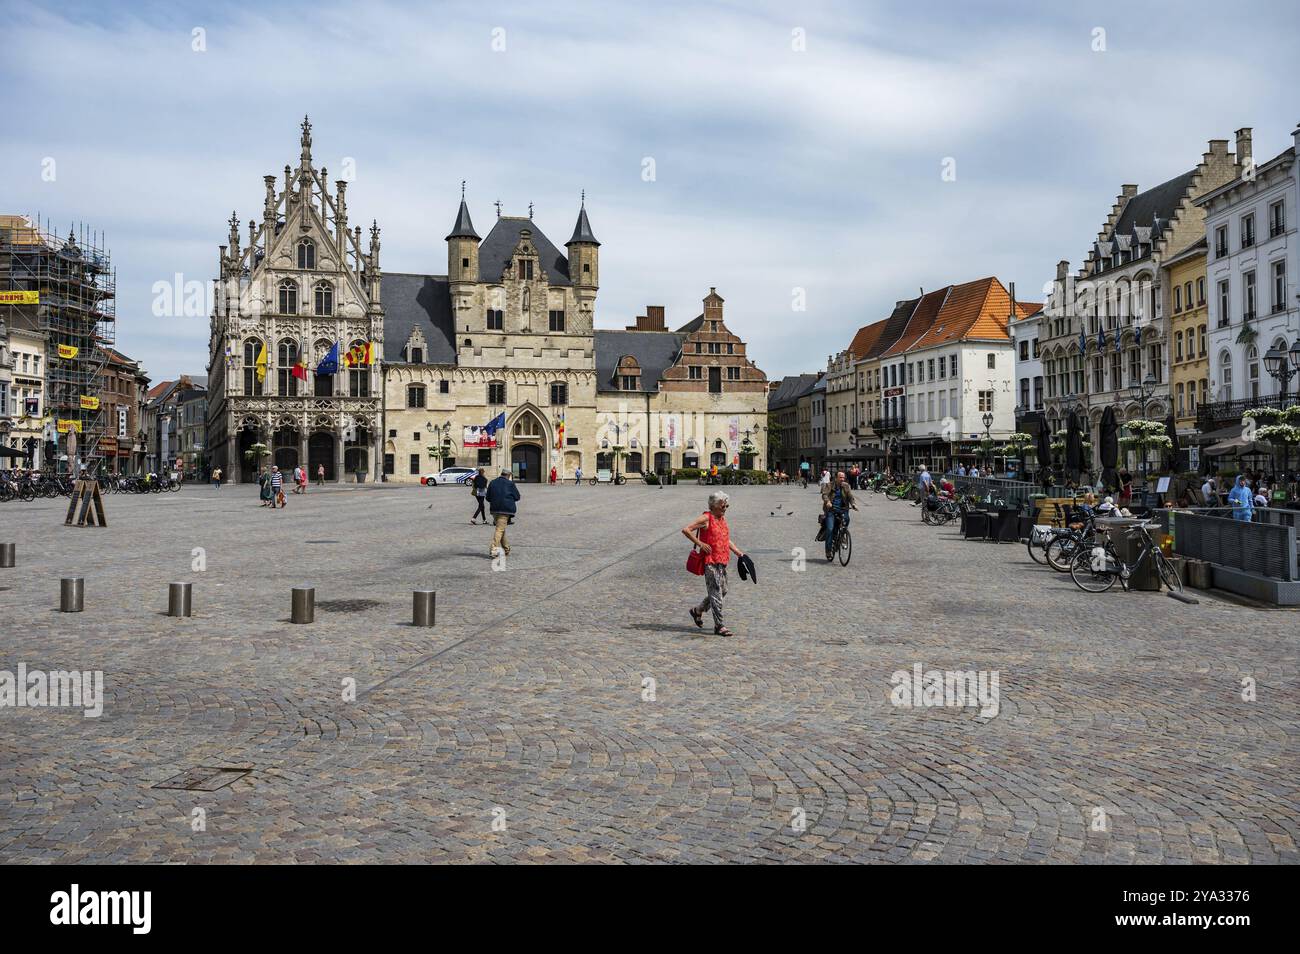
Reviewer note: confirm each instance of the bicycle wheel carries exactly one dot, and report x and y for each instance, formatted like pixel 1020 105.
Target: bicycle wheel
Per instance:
pixel 1088 579
pixel 1060 553
pixel 1037 552
pixel 845 548
pixel 1168 575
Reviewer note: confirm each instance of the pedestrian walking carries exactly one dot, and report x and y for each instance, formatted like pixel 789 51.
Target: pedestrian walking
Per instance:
pixel 266 494
pixel 301 473
pixel 297 478
pixel 1242 500
pixel 577 477
pixel 712 537
pixel 216 477
pixel 320 476
pixel 478 487
pixel 502 496
pixel 277 487
pixel 554 476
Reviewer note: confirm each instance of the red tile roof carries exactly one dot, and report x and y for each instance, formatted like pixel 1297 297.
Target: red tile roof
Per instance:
pixel 978 309
pixel 158 389
pixel 867 336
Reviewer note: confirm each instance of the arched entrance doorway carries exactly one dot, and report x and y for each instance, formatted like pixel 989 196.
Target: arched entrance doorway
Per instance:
pixel 286 449
pixel 526 462
pixel 320 450
pixel 247 465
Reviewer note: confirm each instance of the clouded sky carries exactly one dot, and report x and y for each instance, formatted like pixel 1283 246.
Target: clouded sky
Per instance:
pixel 775 168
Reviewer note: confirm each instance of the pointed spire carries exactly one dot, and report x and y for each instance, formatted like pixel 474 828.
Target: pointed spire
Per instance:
pixel 582 230
pixel 306 140
pixel 463 228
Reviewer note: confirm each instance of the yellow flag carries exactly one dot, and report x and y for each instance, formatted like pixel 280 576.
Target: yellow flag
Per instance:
pixel 89 403
pixel 261 364
pixel 68 352
pixel 65 425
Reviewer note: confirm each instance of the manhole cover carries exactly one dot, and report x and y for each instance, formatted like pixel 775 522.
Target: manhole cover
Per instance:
pixel 346 606
pixel 205 778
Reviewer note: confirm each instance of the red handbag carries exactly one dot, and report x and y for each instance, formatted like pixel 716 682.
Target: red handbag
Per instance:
pixel 695 562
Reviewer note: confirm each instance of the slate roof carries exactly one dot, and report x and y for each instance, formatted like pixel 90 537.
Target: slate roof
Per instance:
pixel 791 389
pixel 655 352
pixel 495 252
pixel 922 319
pixel 463 228
pixel 582 229
pixel 417 300
pixel 1161 200
pixel 691 326
pixel 895 325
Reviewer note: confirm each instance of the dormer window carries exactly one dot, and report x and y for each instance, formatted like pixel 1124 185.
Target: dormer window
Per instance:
pixel 306 254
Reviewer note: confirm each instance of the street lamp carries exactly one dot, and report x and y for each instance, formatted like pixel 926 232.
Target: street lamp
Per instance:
pixel 988 441
pixel 1275 361
pixel 1142 394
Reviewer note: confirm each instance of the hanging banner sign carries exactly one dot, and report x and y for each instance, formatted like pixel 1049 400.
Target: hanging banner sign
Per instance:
pixel 65 426
pixel 89 403
pixel 477 436
pixel 672 429
pixel 68 352
pixel 20 298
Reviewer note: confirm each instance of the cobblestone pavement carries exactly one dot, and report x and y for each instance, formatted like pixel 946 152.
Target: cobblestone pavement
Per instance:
pixel 1121 733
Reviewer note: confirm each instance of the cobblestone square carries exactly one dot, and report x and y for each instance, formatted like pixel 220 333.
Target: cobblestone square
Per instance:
pixel 566 709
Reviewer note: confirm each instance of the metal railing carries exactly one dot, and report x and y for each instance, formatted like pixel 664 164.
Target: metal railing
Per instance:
pixel 1264 546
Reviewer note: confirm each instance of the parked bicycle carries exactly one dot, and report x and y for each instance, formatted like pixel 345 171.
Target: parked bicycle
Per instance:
pixel 1096 568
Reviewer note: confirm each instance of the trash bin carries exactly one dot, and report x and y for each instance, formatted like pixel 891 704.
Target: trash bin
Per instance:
pixel 1127 547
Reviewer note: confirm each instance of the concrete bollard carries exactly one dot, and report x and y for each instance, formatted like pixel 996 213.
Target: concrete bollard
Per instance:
pixel 72 594
pixel 304 604
pixel 179 599
pixel 423 604
pixel 8 554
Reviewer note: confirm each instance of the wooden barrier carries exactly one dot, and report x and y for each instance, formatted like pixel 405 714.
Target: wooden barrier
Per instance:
pixel 87 494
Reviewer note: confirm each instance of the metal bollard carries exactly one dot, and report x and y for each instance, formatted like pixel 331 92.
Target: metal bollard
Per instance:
pixel 304 604
pixel 179 599
pixel 72 594
pixel 7 554
pixel 423 604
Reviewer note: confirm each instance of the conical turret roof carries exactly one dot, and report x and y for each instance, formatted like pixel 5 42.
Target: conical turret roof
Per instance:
pixel 463 228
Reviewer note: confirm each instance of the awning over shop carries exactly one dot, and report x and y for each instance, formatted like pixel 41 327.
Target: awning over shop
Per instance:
pixel 1238 447
pixel 1222 434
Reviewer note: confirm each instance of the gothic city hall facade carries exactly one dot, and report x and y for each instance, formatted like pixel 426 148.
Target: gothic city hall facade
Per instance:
pixel 318 357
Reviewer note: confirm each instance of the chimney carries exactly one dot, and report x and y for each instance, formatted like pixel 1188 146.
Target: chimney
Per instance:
pixel 1013 301
pixel 1062 270
pixel 652 320
pixel 1243 146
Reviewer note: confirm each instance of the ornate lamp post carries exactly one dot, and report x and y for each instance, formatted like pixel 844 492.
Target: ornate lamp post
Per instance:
pixel 1142 394
pixel 988 441
pixel 1277 364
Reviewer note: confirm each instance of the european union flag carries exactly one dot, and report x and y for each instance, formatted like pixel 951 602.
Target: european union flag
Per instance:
pixel 495 424
pixel 330 363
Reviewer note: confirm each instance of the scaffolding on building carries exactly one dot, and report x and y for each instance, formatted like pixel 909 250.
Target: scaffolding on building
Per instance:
pixel 74 309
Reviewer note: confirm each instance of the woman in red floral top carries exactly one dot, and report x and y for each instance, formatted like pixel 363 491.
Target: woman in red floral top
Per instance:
pixel 711 534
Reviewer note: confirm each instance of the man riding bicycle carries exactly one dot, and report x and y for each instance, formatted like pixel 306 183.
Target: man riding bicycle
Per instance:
pixel 837 500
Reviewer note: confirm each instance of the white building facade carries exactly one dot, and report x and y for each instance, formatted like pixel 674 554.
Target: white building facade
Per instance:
pixel 1253 263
